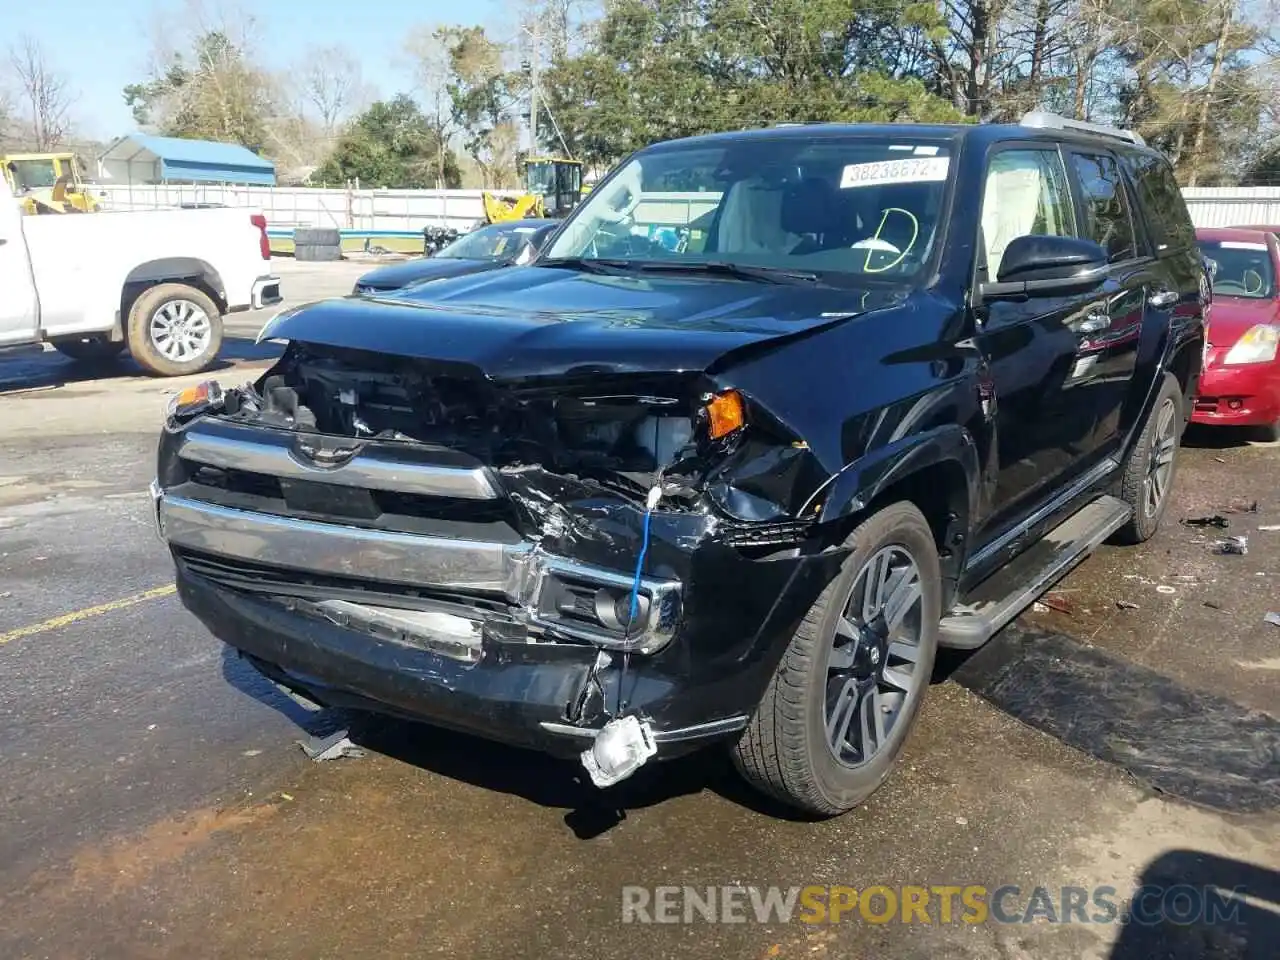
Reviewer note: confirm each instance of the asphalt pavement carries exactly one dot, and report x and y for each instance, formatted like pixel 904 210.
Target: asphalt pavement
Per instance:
pixel 154 803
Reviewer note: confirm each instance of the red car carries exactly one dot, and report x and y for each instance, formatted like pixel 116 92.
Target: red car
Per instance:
pixel 1240 385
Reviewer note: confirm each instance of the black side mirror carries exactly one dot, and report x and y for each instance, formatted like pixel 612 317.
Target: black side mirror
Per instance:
pixel 1044 266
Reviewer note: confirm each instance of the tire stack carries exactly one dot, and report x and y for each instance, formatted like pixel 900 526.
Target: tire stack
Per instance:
pixel 317 244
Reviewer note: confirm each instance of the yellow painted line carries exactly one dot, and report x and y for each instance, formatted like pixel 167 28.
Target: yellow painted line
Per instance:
pixel 66 619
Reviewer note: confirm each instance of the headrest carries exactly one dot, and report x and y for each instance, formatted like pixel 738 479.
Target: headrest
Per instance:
pixel 810 206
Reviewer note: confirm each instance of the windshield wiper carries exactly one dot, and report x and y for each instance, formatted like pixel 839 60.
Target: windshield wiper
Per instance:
pixel 726 268
pixel 588 264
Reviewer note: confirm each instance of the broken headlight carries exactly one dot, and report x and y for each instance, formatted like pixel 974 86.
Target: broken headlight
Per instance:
pixel 193 401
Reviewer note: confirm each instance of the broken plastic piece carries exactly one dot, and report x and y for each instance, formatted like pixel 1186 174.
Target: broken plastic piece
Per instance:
pixel 1269 527
pixel 1127 605
pixel 1235 545
pixel 331 747
pixel 1272 618
pixel 1217 520
pixel 622 747
pixel 725 414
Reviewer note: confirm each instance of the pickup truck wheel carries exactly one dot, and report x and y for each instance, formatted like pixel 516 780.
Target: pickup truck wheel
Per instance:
pixel 1150 466
pixel 174 329
pixel 837 711
pixel 90 349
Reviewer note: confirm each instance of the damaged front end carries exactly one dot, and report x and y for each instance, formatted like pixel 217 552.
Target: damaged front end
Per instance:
pixel 416 536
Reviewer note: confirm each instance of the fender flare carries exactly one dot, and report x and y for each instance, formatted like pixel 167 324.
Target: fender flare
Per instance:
pixel 168 269
pixel 859 483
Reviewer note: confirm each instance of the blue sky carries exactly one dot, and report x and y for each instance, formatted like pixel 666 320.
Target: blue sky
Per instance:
pixel 103 46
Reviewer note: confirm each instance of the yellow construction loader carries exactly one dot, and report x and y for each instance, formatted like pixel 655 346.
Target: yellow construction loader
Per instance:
pixel 47 183
pixel 552 188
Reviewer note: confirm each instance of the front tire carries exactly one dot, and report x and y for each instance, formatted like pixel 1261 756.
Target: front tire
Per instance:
pixel 174 330
pixel 835 715
pixel 1151 465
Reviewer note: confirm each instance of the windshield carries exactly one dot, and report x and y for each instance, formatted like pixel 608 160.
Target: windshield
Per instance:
pixel 860 205
pixel 34 174
pixel 1244 268
pixel 540 177
pixel 500 241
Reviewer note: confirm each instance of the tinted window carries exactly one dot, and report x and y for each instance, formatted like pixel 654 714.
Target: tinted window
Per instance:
pixel 1161 202
pixel 489 243
pixel 1107 219
pixel 1025 194
pixel 1244 268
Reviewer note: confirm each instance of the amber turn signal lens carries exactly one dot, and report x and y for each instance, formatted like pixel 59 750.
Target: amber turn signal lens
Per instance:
pixel 725 414
pixel 192 395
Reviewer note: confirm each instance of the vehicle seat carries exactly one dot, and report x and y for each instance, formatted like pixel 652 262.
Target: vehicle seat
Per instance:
pixel 751 220
pixel 812 209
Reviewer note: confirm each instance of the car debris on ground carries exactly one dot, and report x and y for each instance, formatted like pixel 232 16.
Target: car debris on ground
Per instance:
pixel 1234 545
pixel 332 747
pixel 1217 520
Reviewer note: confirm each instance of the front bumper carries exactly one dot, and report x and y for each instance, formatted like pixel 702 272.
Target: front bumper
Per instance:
pixel 475 656
pixel 1247 395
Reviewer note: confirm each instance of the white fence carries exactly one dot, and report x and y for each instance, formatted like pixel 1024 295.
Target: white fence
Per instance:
pixel 411 210
pixel 284 207
pixel 1233 206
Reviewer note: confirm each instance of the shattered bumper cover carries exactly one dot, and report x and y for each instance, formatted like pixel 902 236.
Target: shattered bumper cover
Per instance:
pixel 467 660
pixel 524 576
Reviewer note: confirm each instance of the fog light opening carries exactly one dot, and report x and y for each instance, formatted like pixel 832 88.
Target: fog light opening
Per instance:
pixel 1234 403
pixel 613 609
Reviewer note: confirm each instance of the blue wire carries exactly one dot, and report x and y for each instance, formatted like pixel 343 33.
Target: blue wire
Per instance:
pixel 635 586
pixel 635 607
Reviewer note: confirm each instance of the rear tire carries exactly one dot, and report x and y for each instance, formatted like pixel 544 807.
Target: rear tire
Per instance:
pixel 844 668
pixel 90 349
pixel 1152 465
pixel 174 330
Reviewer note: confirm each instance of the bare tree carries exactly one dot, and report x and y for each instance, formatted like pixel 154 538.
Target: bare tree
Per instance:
pixel 429 50
pixel 331 84
pixel 42 92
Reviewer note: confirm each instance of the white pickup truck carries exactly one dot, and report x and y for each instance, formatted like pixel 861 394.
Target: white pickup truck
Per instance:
pixel 155 282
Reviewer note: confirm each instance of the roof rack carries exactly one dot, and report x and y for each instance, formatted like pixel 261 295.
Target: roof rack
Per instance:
pixel 1043 120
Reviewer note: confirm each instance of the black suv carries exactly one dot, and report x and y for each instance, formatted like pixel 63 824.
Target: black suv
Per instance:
pixel 774 415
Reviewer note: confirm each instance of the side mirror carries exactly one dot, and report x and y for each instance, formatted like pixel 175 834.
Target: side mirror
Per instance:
pixel 1045 266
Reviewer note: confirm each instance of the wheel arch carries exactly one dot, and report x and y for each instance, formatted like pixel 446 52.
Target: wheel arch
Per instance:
pixel 191 271
pixel 937 470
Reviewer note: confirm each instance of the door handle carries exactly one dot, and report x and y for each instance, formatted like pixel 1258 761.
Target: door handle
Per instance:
pixel 1163 298
pixel 1093 322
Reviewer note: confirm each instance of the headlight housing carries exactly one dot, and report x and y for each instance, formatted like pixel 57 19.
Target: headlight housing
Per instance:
pixel 196 400
pixel 1258 345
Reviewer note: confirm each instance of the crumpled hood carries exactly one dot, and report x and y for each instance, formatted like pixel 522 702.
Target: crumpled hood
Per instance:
pixel 1230 317
pixel 398 275
pixel 545 321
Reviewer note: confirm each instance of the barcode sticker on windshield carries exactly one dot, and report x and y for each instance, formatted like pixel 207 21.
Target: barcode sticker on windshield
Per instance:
pixel 906 170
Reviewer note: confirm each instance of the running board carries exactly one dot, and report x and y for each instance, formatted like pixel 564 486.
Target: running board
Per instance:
pixel 994 602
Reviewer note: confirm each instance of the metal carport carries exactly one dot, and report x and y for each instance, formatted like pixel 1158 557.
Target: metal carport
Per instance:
pixel 141 159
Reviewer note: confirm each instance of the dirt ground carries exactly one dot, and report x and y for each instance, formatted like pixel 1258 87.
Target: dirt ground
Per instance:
pixel 154 802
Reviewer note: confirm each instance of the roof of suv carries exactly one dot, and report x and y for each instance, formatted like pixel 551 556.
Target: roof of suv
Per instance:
pixel 981 132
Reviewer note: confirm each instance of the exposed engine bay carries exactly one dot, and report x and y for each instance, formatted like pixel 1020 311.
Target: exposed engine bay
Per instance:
pixel 624 434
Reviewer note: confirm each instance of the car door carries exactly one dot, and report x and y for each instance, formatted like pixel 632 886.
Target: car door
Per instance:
pixel 1109 336
pixel 18 305
pixel 1042 427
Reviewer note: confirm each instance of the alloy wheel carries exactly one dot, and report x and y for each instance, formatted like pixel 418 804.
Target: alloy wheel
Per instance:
pixel 181 330
pixel 1164 442
pixel 873 672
